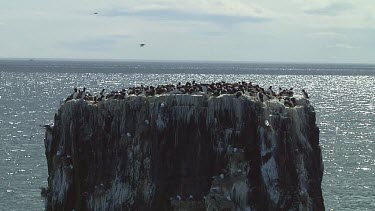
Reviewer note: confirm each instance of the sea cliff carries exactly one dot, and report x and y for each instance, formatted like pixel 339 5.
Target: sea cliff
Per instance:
pixel 184 152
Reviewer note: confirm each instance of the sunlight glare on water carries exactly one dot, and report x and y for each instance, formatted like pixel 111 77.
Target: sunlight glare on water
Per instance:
pixel 344 106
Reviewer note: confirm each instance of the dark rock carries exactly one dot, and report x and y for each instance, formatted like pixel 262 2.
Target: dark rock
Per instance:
pixel 176 149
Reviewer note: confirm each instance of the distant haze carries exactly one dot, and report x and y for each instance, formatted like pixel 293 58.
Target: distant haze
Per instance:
pixel 334 31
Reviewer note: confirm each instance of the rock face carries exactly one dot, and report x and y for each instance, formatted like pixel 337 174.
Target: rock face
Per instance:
pixel 184 152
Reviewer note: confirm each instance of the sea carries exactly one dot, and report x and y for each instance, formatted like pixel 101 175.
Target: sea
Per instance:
pixel 343 95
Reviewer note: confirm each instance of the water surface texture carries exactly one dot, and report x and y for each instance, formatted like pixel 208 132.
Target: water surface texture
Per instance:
pixel 343 96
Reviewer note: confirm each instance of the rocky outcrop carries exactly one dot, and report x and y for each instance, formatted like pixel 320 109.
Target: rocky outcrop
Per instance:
pixel 184 152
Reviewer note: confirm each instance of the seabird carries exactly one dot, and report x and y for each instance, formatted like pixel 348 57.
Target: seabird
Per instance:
pixel 305 94
pixel 280 91
pixel 95 13
pixel 204 89
pixel 102 95
pixel 215 189
pixel 44 192
pixel 174 91
pixel 75 93
pixel 260 96
pixel 48 127
pixel 83 93
pixel 143 93
pixel 102 92
pixel 270 91
pixel 287 102
pixel 293 100
pixel 142 44
pixel 217 93
pixel 238 94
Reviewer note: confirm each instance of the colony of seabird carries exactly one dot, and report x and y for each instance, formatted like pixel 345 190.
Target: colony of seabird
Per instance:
pixel 285 96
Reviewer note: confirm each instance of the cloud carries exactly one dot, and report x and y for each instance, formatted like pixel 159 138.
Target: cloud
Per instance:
pixel 331 9
pixel 210 11
pixel 185 16
pixel 327 35
pixel 343 46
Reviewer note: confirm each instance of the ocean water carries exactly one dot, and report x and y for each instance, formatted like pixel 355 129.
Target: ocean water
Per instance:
pixel 343 97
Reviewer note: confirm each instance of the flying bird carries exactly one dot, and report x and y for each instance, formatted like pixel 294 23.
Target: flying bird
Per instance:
pixel 95 13
pixel 142 44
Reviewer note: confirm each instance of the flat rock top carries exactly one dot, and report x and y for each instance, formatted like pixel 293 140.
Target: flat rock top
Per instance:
pixel 219 89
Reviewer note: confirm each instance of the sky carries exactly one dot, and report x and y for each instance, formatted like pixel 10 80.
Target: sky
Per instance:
pixel 318 31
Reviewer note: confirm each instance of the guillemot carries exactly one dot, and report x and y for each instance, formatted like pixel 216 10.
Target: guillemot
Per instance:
pixel 83 93
pixel 260 96
pixel 270 91
pixel 213 89
pixel 305 94
pixel 75 93
pixel 48 128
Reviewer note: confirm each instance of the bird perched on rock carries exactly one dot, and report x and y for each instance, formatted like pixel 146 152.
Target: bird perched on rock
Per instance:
pixel 238 94
pixel 260 96
pixel 48 127
pixel 83 93
pixel 305 94
pixel 75 93
pixel 270 91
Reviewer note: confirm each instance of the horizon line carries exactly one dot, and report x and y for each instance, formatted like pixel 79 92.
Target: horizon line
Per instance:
pixel 178 60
